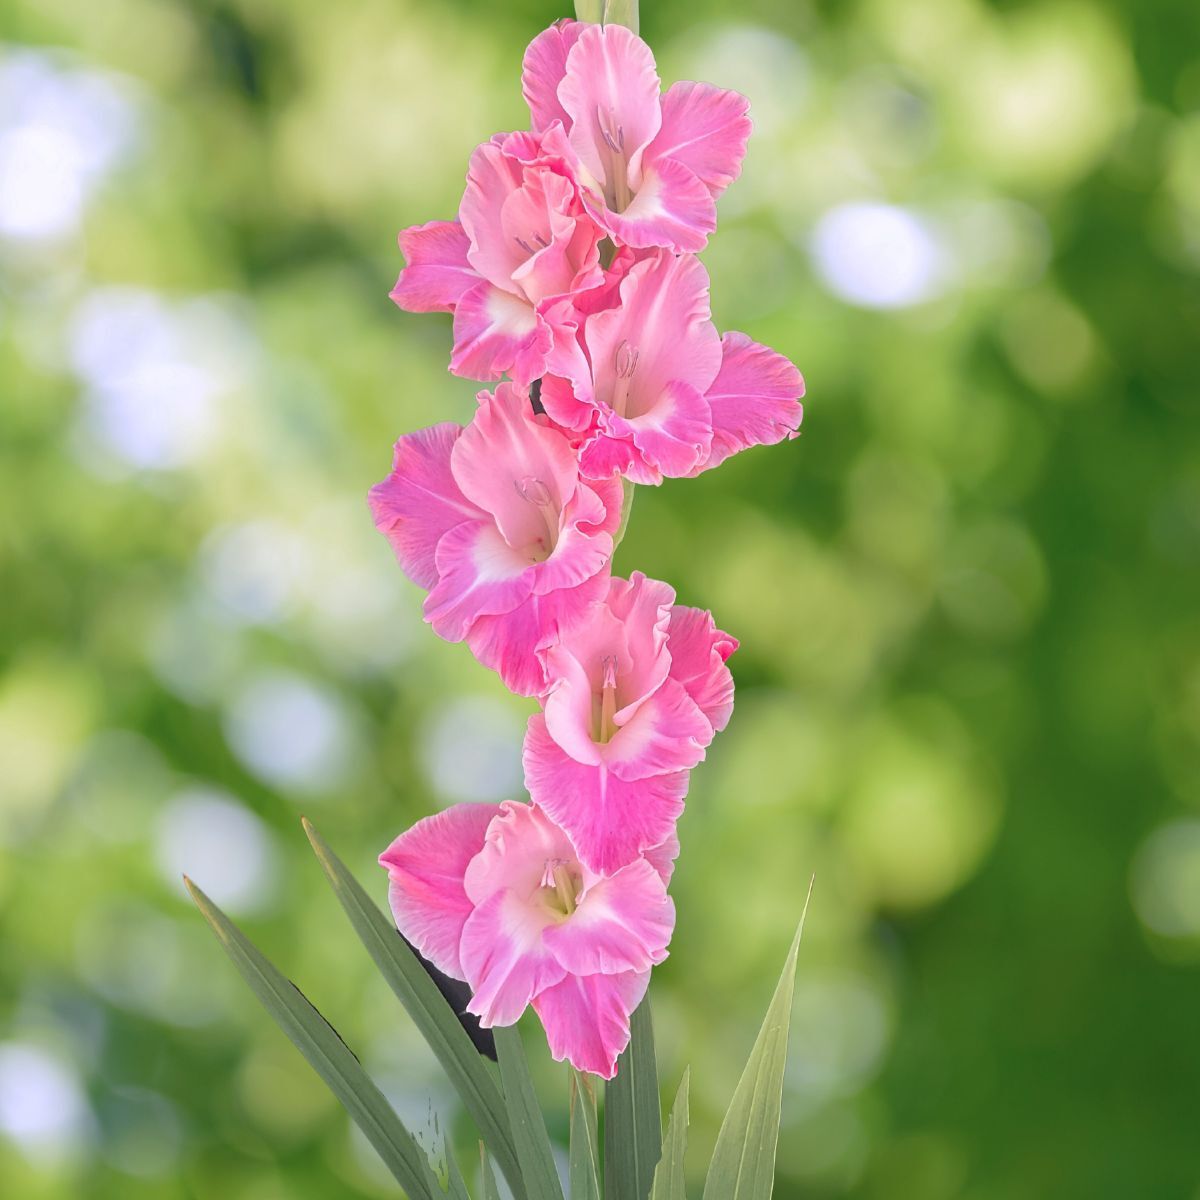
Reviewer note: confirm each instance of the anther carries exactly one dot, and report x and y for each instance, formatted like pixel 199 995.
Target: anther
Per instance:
pixel 613 138
pixel 532 489
pixel 609 666
pixel 626 360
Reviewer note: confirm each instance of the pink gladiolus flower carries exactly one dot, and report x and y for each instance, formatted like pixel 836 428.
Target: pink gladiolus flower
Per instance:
pixel 634 694
pixel 655 391
pixel 497 523
pixel 651 166
pixel 496 895
pixel 522 241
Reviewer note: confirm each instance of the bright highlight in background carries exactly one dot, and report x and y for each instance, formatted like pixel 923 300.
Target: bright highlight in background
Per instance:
pixel 209 835
pixel 1165 880
pixel 290 732
pixel 60 131
pixel 877 256
pixel 42 1106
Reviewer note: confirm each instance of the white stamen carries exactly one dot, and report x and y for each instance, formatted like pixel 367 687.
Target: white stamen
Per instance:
pixel 625 363
pixel 616 172
pixel 608 698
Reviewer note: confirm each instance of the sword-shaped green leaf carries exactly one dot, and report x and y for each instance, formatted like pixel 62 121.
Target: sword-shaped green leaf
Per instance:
pixel 743 1163
pixel 632 1120
pixel 433 1017
pixel 528 1128
pixel 456 1185
pixel 584 1165
pixel 669 1179
pixel 327 1054
pixel 487 1177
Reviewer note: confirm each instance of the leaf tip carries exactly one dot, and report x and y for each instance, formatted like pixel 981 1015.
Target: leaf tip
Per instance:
pixel 314 838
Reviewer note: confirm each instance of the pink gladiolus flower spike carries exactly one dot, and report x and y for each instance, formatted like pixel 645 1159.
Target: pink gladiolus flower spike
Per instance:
pixel 651 166
pixel 521 244
pixel 497 523
pixel 496 895
pixel 635 692
pixel 655 391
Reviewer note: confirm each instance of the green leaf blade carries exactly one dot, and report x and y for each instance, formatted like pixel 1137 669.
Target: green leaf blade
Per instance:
pixel 433 1017
pixel 326 1053
pixel 632 1120
pixel 743 1163
pixel 534 1155
pixel 487 1177
pixel 669 1179
pixel 456 1185
pixel 584 1165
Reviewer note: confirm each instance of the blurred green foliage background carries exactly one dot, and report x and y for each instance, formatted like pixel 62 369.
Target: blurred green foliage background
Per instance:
pixel 968 596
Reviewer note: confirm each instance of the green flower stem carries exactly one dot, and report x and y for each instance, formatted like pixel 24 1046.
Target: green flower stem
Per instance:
pixel 626 509
pixel 608 12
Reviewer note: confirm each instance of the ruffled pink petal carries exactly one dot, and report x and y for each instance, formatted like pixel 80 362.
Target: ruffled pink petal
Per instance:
pixel 513 854
pixel 674 436
pixel 492 178
pixel 494 332
pixel 420 501
pixel 672 209
pixel 699 651
pixel 574 677
pixel 425 867
pixel 585 543
pixel 516 468
pixel 667 734
pixel 547 148
pixel 509 643
pixel 662 331
pixel 706 129
pixel 623 923
pixel 567 384
pixel 610 495
pixel 662 857
pixel 604 455
pixel 587 1020
pixel 628 631
pixel 642 608
pixel 438 273
pixel 755 399
pixel 610 822
pixel 563 407
pixel 610 92
pixel 543 69
pixel 545 210
pixel 479 574
pixel 607 293
pixel 505 959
